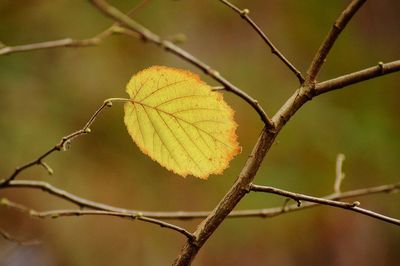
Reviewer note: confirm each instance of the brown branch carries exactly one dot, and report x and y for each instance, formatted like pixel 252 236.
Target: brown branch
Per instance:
pixel 323 51
pixel 323 201
pixel 244 14
pixel 68 42
pixel 64 213
pixel 356 77
pixel 61 145
pixel 51 44
pixel 169 46
pixel 183 215
pixel 62 194
pixel 306 93
pixel 229 201
pixel 276 211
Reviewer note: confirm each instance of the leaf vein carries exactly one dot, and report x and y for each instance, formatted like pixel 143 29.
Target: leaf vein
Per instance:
pixel 162 87
pixel 181 97
pixel 190 138
pixel 180 143
pixel 155 130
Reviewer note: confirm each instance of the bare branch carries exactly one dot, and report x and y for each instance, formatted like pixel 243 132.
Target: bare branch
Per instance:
pixel 169 46
pixel 62 144
pixel 339 172
pixel 68 42
pixel 64 213
pixel 298 197
pixel 343 205
pixel 329 41
pixel 244 14
pixel 304 94
pixel 81 202
pixel 276 211
pixel 356 77
pixel 183 215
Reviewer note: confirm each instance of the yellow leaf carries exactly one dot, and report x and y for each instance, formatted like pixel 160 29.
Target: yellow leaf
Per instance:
pixel 178 121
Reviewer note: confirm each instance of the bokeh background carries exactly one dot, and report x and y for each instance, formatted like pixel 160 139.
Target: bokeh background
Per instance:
pixel 49 93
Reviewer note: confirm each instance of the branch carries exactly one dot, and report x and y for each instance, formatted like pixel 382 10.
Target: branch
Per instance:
pixel 64 213
pixel 323 201
pixel 306 93
pixel 63 144
pixel 356 77
pixel 230 200
pixel 183 215
pixel 244 14
pixel 169 46
pixel 68 42
pixel 323 51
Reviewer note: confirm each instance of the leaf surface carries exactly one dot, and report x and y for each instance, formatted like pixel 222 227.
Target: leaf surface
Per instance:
pixel 177 120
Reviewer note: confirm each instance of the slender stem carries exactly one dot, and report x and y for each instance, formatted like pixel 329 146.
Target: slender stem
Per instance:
pixel 117 100
pixel 62 144
pixel 356 77
pixel 244 14
pixel 323 51
pixel 68 42
pixel 343 205
pixel 183 215
pixel 64 213
pixel 169 46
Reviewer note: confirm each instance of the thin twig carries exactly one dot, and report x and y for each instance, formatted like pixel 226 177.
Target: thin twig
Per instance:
pixel 304 94
pixel 68 42
pixel 61 145
pixel 183 215
pixel 169 46
pixel 244 14
pixel 323 51
pixel 323 201
pixel 298 197
pixel 369 73
pixel 339 172
pixel 64 213
pixel 331 200
pixel 276 211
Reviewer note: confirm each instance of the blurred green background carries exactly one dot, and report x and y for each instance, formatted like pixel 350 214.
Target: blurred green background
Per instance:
pixel 49 93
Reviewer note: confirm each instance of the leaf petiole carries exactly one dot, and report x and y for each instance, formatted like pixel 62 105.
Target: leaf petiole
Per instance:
pixel 116 100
